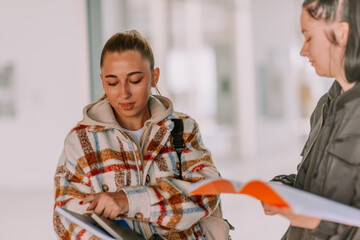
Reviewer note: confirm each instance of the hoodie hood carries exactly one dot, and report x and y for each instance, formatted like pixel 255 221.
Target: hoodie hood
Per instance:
pixel 102 114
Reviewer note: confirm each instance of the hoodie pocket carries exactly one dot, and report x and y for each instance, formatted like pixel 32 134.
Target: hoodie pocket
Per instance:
pixel 347 149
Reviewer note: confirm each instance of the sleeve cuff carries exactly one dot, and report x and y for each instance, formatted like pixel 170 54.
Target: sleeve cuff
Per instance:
pixel 139 202
pixel 285 179
pixel 325 229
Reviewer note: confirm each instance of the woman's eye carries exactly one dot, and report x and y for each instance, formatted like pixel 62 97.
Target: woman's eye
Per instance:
pixel 112 84
pixel 136 81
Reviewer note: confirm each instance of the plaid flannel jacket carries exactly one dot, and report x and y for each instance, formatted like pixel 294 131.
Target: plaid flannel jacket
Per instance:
pixel 101 157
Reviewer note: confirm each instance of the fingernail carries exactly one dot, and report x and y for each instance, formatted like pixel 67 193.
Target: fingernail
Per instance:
pixel 81 202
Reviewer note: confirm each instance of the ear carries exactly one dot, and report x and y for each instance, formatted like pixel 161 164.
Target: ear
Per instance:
pixel 156 75
pixel 342 33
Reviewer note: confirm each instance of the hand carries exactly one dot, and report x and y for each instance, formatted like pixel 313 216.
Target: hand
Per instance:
pixel 108 204
pixel 295 219
pixel 268 209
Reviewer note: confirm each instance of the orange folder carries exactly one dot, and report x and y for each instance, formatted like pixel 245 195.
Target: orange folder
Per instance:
pixel 255 188
pixel 280 195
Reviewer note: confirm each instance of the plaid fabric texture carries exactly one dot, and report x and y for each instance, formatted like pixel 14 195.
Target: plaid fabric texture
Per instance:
pixel 105 159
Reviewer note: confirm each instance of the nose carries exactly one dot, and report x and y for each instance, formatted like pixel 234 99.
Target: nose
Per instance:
pixel 304 50
pixel 125 92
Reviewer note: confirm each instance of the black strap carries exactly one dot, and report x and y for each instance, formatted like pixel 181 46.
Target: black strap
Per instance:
pixel 179 145
pixel 178 140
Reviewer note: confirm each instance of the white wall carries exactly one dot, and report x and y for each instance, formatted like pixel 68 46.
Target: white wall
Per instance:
pixel 46 41
pixel 276 31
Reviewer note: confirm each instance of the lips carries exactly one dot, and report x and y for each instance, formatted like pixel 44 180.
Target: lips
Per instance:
pixel 127 106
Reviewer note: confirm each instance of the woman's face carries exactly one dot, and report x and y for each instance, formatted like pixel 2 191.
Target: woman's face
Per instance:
pixel 127 80
pixel 323 55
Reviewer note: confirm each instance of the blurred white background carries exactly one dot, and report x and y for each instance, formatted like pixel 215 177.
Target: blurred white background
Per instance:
pixel 233 65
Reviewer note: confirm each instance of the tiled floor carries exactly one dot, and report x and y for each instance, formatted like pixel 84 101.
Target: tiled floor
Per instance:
pixel 27 214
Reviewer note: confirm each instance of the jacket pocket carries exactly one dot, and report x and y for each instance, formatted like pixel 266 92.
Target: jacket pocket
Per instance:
pixel 347 149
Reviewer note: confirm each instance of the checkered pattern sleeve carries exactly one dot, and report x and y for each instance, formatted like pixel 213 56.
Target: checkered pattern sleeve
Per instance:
pixel 71 185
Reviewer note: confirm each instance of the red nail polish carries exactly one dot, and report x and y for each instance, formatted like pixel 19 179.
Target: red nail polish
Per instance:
pixel 81 202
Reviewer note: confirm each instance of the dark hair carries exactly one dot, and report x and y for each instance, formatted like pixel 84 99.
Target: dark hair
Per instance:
pixel 128 40
pixel 348 11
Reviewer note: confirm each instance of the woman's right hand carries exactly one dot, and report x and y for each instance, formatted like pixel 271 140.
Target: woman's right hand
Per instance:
pixel 268 209
pixel 108 204
pixel 295 219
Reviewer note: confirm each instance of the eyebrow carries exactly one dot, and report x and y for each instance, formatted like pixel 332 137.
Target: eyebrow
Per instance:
pixel 129 74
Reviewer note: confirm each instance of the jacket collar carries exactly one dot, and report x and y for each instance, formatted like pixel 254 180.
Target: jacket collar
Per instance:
pixel 341 98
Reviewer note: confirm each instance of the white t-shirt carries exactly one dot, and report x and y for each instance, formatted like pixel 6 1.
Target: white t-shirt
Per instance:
pixel 136 133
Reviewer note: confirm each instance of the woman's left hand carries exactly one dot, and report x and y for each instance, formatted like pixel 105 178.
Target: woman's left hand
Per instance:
pixel 295 219
pixel 108 204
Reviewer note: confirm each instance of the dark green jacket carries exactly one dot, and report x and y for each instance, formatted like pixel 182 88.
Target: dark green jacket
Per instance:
pixel 331 161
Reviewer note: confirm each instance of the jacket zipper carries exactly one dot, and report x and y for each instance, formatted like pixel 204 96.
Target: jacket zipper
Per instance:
pixel 332 138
